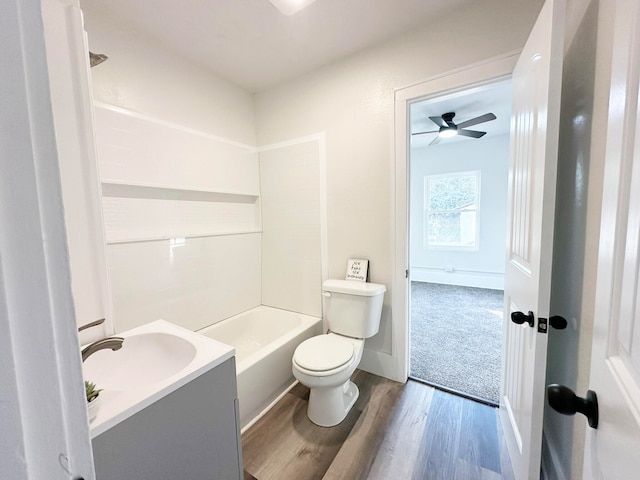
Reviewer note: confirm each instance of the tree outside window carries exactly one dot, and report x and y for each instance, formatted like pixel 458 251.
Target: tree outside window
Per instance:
pixel 452 204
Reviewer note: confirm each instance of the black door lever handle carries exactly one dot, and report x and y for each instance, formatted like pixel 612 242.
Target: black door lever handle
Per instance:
pixel 563 400
pixel 520 318
pixel 558 322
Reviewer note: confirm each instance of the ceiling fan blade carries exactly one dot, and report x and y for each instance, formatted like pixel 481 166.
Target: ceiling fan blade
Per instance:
pixel 471 133
pixel 474 121
pixel 436 140
pixel 439 121
pixel 422 133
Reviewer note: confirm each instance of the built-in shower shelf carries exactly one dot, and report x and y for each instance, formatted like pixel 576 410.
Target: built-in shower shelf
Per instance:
pixel 115 188
pixel 135 212
pixel 161 180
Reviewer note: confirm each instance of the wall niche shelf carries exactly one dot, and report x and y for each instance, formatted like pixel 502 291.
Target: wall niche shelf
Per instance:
pixel 113 188
pixel 137 212
pixel 162 181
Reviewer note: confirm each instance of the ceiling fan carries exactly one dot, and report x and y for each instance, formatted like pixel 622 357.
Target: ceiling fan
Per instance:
pixel 447 128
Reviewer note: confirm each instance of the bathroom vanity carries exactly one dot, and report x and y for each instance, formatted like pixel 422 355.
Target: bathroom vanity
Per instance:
pixel 175 415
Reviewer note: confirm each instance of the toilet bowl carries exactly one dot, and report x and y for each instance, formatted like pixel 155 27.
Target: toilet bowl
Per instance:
pixel 325 363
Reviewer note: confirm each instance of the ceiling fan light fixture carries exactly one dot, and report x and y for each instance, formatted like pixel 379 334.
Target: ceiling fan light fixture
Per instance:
pixel 448 132
pixel 289 7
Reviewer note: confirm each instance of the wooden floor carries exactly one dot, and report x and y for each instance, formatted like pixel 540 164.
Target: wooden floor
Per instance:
pixel 394 431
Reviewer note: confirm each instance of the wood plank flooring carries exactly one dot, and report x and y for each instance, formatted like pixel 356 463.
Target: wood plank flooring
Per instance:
pixel 394 431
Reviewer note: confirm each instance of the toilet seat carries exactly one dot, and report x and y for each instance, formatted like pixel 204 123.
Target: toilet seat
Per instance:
pixel 323 353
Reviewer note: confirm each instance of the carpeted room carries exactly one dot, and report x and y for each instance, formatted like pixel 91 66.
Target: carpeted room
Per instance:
pixel 458 220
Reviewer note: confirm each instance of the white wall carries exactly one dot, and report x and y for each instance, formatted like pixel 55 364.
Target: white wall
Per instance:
pixel 352 101
pixel 484 267
pixel 292 199
pixel 193 285
pixel 180 173
pixel 147 78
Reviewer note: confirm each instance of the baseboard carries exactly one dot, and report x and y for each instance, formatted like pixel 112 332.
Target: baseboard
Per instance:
pixel 551 465
pixel 381 364
pixel 494 281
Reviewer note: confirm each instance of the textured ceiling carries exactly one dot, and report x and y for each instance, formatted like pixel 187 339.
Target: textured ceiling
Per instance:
pixel 251 44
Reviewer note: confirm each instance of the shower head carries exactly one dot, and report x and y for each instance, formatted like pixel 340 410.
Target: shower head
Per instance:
pixel 96 58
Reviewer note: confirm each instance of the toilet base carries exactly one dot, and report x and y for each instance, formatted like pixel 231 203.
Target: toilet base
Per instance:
pixel 329 406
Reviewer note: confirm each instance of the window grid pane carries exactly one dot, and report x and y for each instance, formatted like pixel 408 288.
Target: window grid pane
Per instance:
pixel 451 210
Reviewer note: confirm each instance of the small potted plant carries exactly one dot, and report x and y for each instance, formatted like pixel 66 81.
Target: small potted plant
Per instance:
pixel 93 398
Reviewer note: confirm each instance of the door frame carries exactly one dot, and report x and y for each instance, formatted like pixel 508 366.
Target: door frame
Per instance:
pixel 475 75
pixel 611 450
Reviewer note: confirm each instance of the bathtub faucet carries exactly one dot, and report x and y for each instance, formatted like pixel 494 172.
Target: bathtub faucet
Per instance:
pixel 114 343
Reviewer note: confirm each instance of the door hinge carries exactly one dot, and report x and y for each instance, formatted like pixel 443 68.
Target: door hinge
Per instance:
pixel 406 274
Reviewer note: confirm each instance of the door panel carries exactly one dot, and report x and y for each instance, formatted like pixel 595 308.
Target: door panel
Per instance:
pixel 612 450
pixel 532 185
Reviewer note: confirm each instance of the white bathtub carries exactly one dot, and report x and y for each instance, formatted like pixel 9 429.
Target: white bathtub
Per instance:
pixel 264 339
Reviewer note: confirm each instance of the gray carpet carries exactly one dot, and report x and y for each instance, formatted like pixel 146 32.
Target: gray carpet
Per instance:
pixel 456 338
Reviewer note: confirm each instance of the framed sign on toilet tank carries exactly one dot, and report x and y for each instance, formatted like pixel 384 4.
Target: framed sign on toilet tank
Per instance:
pixel 357 270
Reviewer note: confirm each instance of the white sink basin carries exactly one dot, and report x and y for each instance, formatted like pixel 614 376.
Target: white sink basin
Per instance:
pixel 144 359
pixel 155 360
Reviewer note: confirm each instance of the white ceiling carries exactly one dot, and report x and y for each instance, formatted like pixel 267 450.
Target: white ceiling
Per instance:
pixel 250 43
pixel 471 103
pixel 253 45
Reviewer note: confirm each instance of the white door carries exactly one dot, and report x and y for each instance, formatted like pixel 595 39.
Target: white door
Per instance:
pixel 532 186
pixel 613 450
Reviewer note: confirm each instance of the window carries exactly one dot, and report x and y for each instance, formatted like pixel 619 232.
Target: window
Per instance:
pixel 451 210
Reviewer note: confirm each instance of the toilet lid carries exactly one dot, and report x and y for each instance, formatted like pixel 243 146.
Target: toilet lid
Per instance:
pixel 324 352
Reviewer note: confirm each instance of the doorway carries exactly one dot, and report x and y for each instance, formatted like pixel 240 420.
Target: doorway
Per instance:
pixel 457 236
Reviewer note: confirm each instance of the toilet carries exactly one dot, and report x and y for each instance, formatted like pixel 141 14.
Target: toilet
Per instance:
pixel 325 363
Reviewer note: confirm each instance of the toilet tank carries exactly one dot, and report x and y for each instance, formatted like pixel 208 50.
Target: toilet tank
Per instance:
pixel 353 308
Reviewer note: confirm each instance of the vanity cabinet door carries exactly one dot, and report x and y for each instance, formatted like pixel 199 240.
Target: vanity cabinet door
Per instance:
pixel 192 433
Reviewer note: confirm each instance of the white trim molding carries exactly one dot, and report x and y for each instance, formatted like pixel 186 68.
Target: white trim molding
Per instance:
pixel 464 79
pixel 552 468
pixel 464 278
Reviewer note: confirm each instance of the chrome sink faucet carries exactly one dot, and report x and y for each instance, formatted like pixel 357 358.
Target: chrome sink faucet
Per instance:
pixel 113 343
